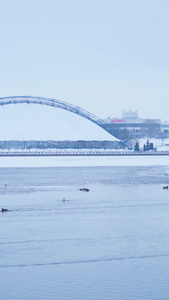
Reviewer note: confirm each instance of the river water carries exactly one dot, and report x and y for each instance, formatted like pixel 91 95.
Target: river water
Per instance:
pixel 58 242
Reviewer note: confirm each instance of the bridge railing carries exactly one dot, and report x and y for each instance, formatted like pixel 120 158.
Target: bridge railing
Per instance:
pixel 78 152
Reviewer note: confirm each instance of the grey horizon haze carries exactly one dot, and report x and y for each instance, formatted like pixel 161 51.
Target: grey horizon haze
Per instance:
pixel 104 56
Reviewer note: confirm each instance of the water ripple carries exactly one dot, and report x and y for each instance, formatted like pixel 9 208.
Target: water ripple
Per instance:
pixel 86 261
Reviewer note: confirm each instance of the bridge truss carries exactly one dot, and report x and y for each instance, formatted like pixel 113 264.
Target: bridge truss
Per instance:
pixel 55 103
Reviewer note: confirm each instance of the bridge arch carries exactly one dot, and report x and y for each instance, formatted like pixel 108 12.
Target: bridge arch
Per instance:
pixel 55 103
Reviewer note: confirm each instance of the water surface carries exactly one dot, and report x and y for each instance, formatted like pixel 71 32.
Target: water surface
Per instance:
pixel 60 243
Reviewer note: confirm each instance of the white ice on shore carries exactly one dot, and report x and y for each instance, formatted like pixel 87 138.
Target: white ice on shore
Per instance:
pixel 84 161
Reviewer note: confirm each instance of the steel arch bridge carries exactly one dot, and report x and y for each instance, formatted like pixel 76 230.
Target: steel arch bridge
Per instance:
pixel 55 103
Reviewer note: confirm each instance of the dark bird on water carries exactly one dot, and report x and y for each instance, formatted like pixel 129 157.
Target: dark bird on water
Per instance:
pixel 4 209
pixel 84 189
pixel 165 187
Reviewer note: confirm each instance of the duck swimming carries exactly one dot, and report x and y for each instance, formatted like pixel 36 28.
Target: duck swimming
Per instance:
pixel 4 209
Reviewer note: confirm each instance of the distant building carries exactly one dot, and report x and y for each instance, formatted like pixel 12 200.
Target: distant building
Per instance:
pixel 165 129
pixel 131 126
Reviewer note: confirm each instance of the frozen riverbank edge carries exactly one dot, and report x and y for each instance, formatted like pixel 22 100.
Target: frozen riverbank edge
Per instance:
pixel 33 162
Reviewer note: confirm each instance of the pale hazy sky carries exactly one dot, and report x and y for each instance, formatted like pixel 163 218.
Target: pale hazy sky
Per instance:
pixel 104 56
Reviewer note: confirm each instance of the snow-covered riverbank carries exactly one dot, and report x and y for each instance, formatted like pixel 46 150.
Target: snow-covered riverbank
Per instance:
pixel 158 143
